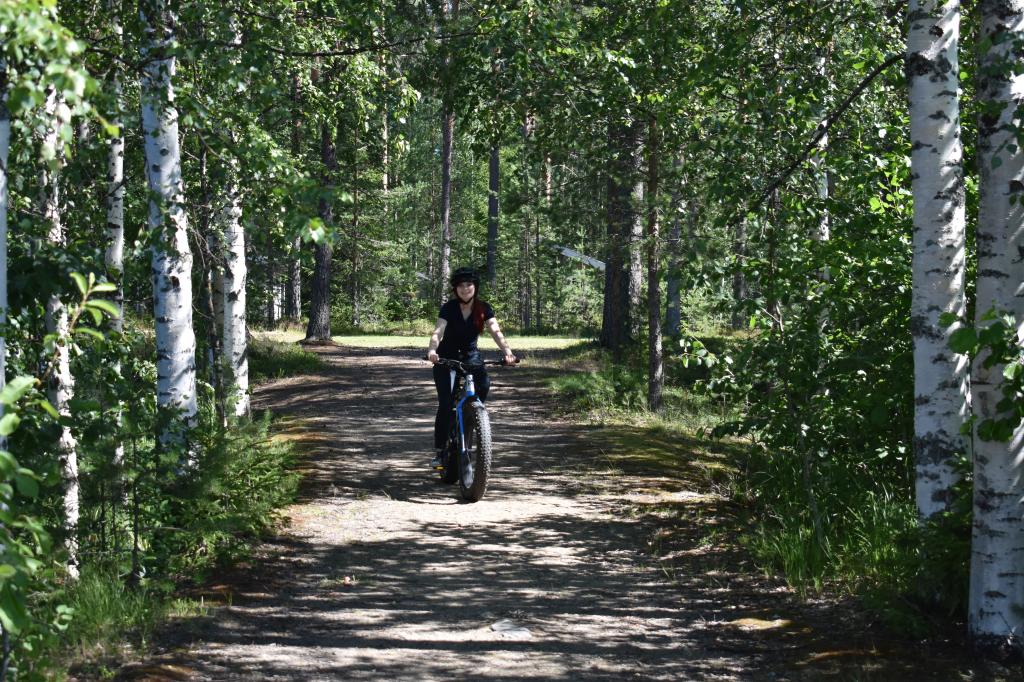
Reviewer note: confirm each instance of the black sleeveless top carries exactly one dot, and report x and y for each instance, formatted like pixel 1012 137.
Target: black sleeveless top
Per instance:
pixel 460 333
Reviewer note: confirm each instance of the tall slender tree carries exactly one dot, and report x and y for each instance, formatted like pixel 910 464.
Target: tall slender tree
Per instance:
pixel 493 179
pixel 655 361
pixel 623 274
pixel 60 388
pixel 168 224
pixel 451 11
pixel 940 387
pixel 5 146
pixel 319 327
pixel 996 596
pixel 113 257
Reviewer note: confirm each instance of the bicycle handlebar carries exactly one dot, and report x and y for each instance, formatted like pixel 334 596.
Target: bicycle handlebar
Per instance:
pixel 465 366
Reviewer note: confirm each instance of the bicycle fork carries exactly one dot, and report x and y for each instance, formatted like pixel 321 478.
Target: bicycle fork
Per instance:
pixel 468 393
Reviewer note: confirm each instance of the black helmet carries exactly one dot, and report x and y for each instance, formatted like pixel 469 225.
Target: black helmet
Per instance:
pixel 465 275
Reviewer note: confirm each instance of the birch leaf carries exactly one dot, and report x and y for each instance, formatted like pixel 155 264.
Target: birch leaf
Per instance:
pixel 16 388
pixel 80 282
pixel 9 423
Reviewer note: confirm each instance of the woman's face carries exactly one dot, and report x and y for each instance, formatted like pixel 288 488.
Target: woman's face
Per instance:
pixel 465 291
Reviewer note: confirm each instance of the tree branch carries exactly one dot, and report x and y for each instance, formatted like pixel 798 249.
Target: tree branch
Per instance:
pixel 819 133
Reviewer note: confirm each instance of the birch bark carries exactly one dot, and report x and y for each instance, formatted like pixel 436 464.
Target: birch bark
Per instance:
pixel 235 358
pixel 113 257
pixel 60 387
pixel 996 596
pixel 236 353
pixel 172 257
pixel 940 382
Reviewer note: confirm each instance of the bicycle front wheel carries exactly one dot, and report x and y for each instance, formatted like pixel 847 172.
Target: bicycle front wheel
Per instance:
pixel 476 465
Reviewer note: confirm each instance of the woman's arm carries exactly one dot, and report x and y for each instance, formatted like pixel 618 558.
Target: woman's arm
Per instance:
pixel 499 338
pixel 435 340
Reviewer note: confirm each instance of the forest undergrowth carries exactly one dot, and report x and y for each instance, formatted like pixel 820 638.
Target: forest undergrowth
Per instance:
pixel 150 552
pixel 859 537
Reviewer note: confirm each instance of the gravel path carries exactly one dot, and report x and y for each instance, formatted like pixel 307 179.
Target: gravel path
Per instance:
pixel 383 573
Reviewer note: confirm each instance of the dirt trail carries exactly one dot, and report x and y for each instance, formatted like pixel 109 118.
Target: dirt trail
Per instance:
pixel 384 574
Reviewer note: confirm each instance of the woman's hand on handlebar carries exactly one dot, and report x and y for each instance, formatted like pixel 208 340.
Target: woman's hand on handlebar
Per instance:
pixel 432 356
pixel 510 360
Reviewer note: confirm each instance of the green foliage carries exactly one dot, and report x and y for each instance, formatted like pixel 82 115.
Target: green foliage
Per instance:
pixel 1002 348
pixel 234 496
pixel 611 387
pixel 108 614
pixel 270 359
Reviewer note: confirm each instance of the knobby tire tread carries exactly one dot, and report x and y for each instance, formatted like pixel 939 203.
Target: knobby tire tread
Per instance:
pixel 479 429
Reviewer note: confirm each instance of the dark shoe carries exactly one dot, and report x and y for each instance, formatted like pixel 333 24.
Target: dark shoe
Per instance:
pixel 438 461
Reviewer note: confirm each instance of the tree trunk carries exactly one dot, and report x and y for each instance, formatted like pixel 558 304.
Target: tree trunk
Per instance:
pixel 293 293
pixel 213 298
pixel 492 219
pixel 623 272
pixel 996 608
pixel 655 364
pixel 355 236
pixel 739 277
pixel 673 310
pixel 319 327
pixel 172 257
pixel 451 11
pixel 113 257
pixel 447 135
pixel 940 389
pixel 236 352
pixel 5 146
pixel 60 387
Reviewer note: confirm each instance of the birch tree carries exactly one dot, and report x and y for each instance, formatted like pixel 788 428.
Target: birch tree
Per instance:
pixel 113 257
pixel 940 388
pixel 60 382
pixel 171 256
pixel 996 597
pixel 235 354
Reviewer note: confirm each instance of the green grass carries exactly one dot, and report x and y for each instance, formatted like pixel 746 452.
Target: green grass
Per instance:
pixel 111 621
pixel 518 343
pixel 272 356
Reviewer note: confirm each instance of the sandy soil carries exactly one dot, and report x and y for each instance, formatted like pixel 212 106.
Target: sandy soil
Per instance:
pixel 383 573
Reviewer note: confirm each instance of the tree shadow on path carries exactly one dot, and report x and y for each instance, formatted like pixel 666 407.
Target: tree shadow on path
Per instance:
pixel 383 573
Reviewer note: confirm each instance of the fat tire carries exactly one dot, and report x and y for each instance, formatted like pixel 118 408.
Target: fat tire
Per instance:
pixel 479 434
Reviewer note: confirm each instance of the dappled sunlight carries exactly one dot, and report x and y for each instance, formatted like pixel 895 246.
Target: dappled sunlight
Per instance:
pixel 593 554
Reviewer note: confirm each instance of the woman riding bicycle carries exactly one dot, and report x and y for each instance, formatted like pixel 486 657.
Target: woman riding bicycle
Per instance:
pixel 459 325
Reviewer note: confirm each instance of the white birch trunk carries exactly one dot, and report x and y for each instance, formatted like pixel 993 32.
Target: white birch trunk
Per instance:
pixel 172 257
pixel 60 388
pixel 114 255
pixel 996 599
pixel 235 354
pixel 940 380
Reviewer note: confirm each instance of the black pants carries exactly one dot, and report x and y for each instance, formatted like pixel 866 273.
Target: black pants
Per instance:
pixel 443 382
